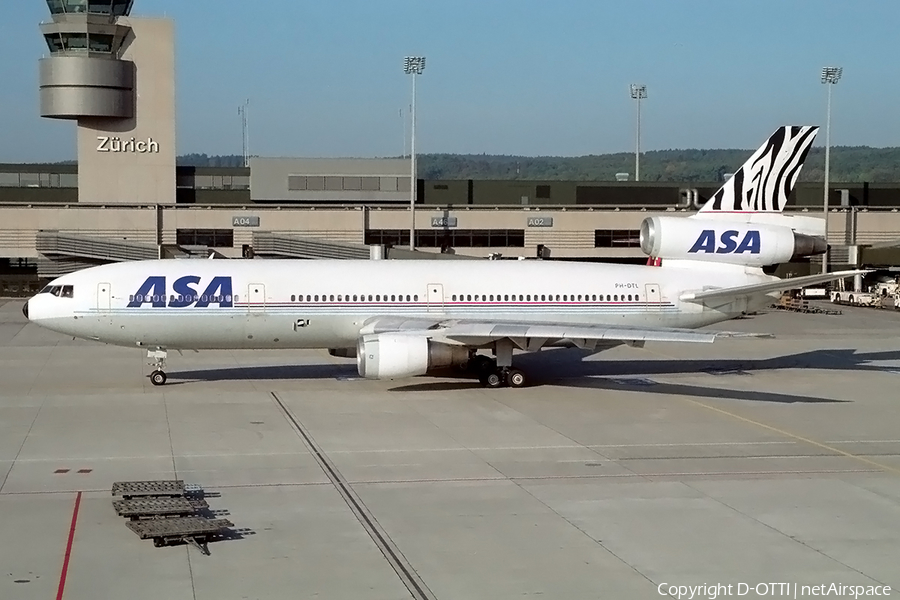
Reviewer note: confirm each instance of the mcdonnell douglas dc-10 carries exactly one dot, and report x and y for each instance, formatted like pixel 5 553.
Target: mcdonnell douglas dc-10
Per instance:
pixel 406 318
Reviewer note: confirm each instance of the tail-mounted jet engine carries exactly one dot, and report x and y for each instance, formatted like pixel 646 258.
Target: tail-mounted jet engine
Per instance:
pixel 716 240
pixel 396 355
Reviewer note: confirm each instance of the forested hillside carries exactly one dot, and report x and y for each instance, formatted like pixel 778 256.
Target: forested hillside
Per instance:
pixel 848 164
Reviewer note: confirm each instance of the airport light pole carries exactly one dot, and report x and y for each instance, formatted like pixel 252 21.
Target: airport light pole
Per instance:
pixel 638 92
pixel 413 65
pixel 243 111
pixel 830 77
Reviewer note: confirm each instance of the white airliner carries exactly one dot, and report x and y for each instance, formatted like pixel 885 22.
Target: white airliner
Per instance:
pixel 406 318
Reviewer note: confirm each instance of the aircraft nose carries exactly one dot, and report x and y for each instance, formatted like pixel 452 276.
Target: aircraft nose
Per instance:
pixel 25 309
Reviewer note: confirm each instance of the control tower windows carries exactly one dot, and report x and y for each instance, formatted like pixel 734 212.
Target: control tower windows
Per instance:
pixel 121 7
pixel 100 7
pixel 74 6
pixel 99 42
pixel 116 8
pixel 113 7
pixel 54 42
pixel 75 41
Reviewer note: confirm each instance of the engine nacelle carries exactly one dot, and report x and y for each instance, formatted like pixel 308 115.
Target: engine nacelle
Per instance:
pixel 749 244
pixel 396 355
pixel 342 352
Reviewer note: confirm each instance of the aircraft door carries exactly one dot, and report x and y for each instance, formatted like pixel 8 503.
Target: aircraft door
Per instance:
pixel 104 297
pixel 654 297
pixel 435 297
pixel 256 298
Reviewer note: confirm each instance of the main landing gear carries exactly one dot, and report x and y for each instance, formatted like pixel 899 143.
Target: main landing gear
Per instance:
pixel 158 361
pixel 493 376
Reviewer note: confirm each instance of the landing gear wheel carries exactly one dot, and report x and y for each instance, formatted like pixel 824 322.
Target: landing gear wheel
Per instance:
pixel 516 378
pixel 494 380
pixel 158 378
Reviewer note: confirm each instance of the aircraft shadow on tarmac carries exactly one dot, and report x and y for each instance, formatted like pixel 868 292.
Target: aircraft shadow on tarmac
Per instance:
pixel 564 367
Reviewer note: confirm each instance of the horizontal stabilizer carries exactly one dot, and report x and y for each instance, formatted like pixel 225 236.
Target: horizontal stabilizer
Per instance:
pixel 780 285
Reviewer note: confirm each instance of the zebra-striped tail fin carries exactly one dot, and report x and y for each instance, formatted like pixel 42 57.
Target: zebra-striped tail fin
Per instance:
pixel 765 181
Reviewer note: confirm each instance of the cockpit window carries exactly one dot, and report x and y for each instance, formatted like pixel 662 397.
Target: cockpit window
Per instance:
pixel 60 291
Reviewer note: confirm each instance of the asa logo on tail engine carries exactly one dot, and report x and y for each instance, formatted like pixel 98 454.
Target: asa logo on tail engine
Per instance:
pixel 728 243
pixel 184 294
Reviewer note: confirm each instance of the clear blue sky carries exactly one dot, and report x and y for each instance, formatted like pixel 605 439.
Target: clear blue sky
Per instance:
pixel 510 77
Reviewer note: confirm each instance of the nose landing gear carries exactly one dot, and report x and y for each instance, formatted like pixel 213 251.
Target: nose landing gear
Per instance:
pixel 158 361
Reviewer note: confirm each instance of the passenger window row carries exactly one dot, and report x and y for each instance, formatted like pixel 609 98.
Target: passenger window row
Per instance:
pixel 545 298
pixel 469 298
pixel 355 298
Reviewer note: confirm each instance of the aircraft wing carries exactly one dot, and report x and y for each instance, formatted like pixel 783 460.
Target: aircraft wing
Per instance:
pixel 780 285
pixel 528 336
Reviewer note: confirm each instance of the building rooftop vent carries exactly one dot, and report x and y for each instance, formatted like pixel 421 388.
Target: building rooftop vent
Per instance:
pixel 622 176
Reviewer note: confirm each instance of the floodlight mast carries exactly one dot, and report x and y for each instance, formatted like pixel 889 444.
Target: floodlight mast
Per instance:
pixel 413 65
pixel 638 93
pixel 243 111
pixel 830 77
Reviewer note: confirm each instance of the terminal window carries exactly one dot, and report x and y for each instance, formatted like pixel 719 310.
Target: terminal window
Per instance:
pixel 315 183
pixel 212 238
pixel 617 238
pixel 42 180
pixel 318 183
pixel 450 238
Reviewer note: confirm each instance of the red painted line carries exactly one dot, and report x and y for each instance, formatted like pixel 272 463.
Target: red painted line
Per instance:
pixel 65 567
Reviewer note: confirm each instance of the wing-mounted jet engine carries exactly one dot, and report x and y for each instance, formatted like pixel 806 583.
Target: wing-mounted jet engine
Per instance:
pixel 398 355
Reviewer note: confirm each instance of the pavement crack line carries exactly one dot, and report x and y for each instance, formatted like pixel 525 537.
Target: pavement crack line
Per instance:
pixel 21 446
pixel 398 562
pixel 782 533
pixel 175 472
pixel 583 532
pixel 169 431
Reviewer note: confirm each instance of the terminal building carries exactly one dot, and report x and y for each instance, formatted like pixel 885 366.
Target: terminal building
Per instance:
pixel 113 75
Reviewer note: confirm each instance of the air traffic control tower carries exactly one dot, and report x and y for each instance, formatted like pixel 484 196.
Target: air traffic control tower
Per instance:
pixel 114 75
